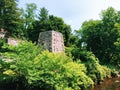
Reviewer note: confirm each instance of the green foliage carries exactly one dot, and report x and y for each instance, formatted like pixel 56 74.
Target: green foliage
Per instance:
pixel 57 24
pixel 10 17
pixel 57 72
pixel 29 17
pixel 7 75
pixel 114 69
pixel 40 25
pixel 94 70
pixel 2 41
pixel 75 40
pixel 16 61
pixel 99 36
pixel 22 23
pixel 68 51
pixel 43 15
pixel 24 52
pixel 53 71
pixel 48 22
pixel 116 55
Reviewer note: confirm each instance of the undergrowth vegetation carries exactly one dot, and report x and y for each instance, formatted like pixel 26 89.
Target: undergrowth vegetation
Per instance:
pixel 91 54
pixel 94 70
pixel 28 67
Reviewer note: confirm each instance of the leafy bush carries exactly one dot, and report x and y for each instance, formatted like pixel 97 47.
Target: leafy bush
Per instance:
pixel 94 70
pixel 2 41
pixel 43 71
pixel 21 55
pixel 57 72
pixel 24 50
pixel 53 71
pixel 8 78
pixel 17 58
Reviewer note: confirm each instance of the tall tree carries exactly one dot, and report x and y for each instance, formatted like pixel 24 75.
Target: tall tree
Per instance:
pixel 40 25
pixel 48 22
pixel 29 17
pixel 9 16
pixel 43 14
pixel 57 24
pixel 100 35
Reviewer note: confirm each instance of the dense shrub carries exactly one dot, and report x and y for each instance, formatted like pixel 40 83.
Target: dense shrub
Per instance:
pixel 16 62
pixel 9 80
pixel 57 72
pixel 24 50
pixel 2 41
pixel 36 70
pixel 73 52
pixel 94 70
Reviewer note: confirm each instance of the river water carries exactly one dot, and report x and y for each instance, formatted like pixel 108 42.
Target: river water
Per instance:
pixel 108 84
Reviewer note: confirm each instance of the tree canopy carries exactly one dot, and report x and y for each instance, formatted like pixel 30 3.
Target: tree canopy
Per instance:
pixel 27 67
pixel 100 35
pixel 10 16
pixel 48 22
pixel 26 23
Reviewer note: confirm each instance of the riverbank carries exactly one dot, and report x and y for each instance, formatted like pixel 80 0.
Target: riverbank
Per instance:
pixel 112 83
pixel 108 84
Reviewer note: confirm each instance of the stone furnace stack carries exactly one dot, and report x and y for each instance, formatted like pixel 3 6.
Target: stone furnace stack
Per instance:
pixel 52 41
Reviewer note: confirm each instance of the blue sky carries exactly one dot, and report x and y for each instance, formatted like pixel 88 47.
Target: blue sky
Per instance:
pixel 74 12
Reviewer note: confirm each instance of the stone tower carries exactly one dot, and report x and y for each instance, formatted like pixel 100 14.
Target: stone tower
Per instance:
pixel 52 41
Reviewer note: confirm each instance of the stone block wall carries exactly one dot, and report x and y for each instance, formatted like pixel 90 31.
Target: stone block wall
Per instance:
pixel 2 35
pixel 52 41
pixel 12 41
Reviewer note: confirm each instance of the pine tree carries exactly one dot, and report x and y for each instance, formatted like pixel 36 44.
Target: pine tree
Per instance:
pixel 9 16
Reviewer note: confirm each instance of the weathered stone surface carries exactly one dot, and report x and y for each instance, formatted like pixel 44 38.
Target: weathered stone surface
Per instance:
pixel 12 41
pixel 2 33
pixel 52 41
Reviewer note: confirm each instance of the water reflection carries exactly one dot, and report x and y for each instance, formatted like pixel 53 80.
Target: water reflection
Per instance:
pixel 109 84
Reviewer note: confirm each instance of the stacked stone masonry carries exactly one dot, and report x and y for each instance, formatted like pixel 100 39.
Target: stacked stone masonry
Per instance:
pixel 52 41
pixel 2 33
pixel 12 41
